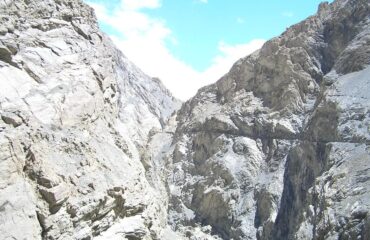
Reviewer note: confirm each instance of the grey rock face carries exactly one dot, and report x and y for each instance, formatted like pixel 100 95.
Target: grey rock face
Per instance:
pixel 278 147
pixel 75 116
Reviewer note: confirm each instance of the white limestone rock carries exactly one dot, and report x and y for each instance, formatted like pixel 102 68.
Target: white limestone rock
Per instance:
pixel 75 116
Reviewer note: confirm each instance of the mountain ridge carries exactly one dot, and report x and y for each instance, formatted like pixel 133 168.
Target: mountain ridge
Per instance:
pixel 92 148
pixel 248 125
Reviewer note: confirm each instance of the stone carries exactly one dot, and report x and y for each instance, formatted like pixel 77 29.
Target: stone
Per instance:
pixel 71 133
pixel 93 148
pixel 11 118
pixel 56 195
pixel 292 117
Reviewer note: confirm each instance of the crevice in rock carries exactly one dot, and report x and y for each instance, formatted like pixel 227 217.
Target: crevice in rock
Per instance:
pixel 305 163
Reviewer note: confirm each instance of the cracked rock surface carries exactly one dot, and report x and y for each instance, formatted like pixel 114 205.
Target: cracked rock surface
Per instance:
pixel 92 148
pixel 278 148
pixel 75 116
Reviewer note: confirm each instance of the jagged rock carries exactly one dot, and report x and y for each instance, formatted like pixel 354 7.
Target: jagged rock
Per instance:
pixel 263 142
pixel 11 118
pixel 75 114
pixel 278 148
pixel 56 195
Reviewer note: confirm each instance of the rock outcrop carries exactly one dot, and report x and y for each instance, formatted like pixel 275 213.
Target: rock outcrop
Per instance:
pixel 92 148
pixel 278 148
pixel 75 116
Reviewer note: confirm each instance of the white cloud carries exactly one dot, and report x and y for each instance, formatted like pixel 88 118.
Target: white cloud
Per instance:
pixel 287 14
pixel 138 4
pixel 143 40
pixel 240 20
pixel 203 1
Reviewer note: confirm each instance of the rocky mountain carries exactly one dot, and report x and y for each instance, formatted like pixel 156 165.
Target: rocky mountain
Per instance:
pixel 92 148
pixel 278 148
pixel 75 117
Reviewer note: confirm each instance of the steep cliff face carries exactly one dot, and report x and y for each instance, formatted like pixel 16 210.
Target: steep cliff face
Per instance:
pixel 278 147
pixel 75 116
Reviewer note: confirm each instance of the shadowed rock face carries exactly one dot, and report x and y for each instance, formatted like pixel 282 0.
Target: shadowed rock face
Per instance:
pixel 278 148
pixel 305 163
pixel 260 148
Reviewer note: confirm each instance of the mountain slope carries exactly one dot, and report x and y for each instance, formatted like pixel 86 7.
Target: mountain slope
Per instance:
pixel 278 147
pixel 75 116
pixel 90 146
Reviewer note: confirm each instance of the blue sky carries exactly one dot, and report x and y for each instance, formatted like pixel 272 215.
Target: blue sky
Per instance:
pixel 191 43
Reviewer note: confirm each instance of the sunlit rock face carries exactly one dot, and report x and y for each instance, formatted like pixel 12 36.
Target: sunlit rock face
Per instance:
pixel 278 147
pixel 92 148
pixel 75 116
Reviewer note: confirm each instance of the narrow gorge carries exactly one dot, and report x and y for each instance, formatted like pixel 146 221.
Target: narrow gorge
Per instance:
pixel 93 148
